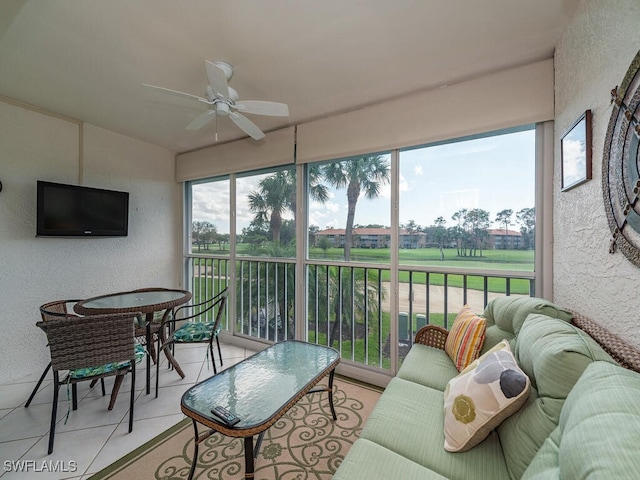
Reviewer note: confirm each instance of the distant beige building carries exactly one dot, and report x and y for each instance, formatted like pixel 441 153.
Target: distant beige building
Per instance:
pixel 501 239
pixel 372 238
pixel 498 238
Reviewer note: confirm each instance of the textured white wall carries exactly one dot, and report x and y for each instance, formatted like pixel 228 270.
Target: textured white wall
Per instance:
pixel 34 270
pixel 591 59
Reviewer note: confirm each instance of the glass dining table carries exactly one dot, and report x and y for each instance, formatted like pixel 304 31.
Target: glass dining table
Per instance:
pixel 145 301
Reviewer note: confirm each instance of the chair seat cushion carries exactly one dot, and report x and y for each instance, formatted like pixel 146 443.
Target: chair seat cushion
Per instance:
pixel 193 332
pixel 107 368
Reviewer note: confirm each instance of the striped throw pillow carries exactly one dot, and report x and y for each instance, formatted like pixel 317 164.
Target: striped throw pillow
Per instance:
pixel 465 338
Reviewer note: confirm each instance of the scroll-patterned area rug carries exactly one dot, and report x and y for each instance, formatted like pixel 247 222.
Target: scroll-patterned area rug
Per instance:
pixel 305 444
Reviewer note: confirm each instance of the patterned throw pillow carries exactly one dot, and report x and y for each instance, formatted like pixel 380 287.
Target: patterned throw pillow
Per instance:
pixel 484 394
pixel 465 338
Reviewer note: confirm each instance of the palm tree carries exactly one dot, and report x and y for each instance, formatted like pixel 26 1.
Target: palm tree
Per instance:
pixel 363 174
pixel 338 294
pixel 273 199
pixel 277 194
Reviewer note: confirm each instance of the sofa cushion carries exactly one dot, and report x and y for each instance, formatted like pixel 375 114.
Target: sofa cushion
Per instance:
pixel 505 316
pixel 428 366
pixel 408 420
pixel 367 460
pixel 475 402
pixel 553 354
pixel 597 436
pixel 465 338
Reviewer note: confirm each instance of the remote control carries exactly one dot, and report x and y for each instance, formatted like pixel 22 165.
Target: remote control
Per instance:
pixel 225 415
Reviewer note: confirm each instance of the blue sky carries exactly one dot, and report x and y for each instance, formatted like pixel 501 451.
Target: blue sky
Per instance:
pixel 492 173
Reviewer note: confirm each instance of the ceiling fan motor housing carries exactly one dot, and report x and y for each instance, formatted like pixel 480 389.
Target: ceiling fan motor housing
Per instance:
pixel 222 108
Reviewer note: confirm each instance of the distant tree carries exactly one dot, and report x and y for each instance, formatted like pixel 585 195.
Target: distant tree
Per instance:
pixel 324 243
pixel 256 234
pixel 203 233
pixel 478 222
pixel 440 234
pixel 313 229
pixel 503 218
pixel 223 239
pixel 288 232
pixel 412 227
pixel 460 234
pixel 370 225
pixel 363 174
pixel 527 220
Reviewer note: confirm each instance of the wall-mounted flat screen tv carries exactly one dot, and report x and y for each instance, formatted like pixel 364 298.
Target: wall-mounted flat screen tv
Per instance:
pixel 76 211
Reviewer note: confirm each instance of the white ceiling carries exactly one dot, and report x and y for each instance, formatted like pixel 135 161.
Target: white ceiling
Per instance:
pixel 86 59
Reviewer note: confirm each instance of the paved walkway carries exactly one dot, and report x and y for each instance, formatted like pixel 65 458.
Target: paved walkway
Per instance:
pixel 475 298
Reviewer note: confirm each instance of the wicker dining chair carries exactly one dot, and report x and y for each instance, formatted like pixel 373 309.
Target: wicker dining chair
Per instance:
pixel 193 328
pixel 88 348
pixel 48 311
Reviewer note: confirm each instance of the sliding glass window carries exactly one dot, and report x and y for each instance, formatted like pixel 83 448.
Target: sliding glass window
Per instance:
pixel 265 213
pixel 464 227
pixel 467 226
pixel 207 262
pixel 349 209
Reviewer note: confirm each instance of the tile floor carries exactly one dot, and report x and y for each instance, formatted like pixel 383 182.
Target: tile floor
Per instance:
pixel 93 437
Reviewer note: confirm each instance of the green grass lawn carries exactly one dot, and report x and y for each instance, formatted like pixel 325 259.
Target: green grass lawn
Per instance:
pixel 490 259
pixel 514 260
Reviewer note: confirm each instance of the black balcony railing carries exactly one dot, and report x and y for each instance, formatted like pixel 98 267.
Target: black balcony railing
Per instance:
pixel 349 307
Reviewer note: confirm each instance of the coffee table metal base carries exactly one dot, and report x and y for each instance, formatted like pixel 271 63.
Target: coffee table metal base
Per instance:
pixel 250 451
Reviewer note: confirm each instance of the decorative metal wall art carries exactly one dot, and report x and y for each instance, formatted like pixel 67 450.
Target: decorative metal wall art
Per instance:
pixel 621 166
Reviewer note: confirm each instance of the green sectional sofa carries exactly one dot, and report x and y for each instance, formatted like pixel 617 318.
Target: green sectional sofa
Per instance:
pixel 581 418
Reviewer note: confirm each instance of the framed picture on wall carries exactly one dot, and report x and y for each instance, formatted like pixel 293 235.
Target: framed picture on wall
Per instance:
pixel 575 152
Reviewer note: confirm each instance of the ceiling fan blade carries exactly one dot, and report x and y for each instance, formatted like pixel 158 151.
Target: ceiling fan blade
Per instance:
pixel 201 120
pixel 247 125
pixel 176 92
pixel 260 107
pixel 217 80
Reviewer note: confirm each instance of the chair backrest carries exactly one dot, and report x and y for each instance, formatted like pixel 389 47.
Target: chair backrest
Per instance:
pixel 200 311
pixel 57 309
pixel 89 341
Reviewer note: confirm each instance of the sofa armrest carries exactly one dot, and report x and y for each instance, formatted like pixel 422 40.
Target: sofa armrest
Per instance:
pixel 432 336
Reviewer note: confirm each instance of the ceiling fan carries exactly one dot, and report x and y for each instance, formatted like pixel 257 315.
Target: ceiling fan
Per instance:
pixel 224 101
